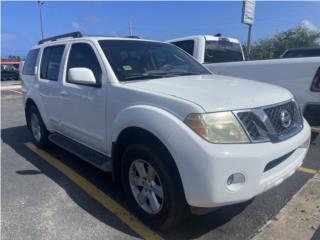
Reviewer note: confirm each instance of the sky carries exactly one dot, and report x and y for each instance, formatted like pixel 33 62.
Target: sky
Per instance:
pixel 20 24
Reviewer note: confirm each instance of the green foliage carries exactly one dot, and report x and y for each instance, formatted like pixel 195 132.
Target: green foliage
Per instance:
pixel 12 58
pixel 273 47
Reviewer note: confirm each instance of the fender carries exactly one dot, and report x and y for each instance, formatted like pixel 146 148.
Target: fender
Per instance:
pixel 169 129
pixel 153 119
pixel 33 94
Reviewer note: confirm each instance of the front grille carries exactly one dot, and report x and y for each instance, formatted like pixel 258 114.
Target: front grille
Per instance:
pixel 248 122
pixel 274 115
pixel 275 123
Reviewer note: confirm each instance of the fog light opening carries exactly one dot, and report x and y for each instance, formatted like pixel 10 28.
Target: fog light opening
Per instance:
pixel 235 181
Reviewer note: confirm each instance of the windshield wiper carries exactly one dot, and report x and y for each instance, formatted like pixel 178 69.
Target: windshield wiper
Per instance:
pixel 141 77
pixel 159 74
pixel 177 74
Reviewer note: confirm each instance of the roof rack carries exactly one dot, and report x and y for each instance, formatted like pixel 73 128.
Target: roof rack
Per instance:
pixel 72 34
pixel 133 37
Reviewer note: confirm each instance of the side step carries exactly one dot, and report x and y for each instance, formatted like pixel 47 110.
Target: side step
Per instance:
pixel 93 157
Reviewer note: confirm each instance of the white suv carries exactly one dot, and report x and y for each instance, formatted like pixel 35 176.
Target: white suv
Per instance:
pixel 175 135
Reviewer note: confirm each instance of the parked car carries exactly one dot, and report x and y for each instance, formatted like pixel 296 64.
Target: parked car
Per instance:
pixel 9 72
pixel 301 76
pixel 211 48
pixel 301 52
pixel 178 137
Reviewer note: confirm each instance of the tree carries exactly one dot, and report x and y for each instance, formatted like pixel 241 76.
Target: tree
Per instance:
pixel 273 47
pixel 12 58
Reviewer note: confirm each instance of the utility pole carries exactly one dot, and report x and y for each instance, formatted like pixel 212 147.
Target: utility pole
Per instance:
pixel 130 29
pixel 249 41
pixel 40 3
pixel 248 9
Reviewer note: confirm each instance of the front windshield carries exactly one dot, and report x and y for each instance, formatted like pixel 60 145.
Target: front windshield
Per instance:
pixel 222 51
pixel 138 60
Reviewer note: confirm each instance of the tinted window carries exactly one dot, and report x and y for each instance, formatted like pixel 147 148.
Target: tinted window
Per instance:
pixel 187 46
pixel 50 63
pixel 302 53
pixel 30 63
pixel 138 60
pixel 222 51
pixel 82 55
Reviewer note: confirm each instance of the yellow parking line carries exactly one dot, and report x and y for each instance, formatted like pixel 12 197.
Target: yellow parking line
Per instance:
pixel 307 170
pixel 135 224
pixel 316 129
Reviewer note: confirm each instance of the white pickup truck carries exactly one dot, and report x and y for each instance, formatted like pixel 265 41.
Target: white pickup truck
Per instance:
pixel 301 76
pixel 177 136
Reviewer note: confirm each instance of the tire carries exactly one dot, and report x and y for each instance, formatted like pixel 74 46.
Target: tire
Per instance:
pixel 314 135
pixel 38 130
pixel 173 207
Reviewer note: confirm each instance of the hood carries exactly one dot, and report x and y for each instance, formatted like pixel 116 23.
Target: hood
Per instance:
pixel 217 92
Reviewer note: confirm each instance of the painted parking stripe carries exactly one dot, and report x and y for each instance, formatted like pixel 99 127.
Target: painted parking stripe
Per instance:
pixel 14 86
pixel 15 91
pixel 307 170
pixel 135 224
pixel 316 129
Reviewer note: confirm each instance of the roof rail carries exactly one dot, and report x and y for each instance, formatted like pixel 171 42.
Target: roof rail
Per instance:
pixel 133 37
pixel 72 34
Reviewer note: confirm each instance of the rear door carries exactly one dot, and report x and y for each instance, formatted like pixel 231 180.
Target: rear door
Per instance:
pixel 83 107
pixel 50 75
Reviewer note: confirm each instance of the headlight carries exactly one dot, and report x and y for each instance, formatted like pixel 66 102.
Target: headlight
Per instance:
pixel 220 127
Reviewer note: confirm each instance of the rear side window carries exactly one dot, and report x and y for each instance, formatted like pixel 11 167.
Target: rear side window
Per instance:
pixel 30 63
pixel 222 51
pixel 50 63
pixel 82 55
pixel 187 46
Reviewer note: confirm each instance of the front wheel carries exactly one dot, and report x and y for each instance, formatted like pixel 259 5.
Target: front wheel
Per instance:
pixel 150 180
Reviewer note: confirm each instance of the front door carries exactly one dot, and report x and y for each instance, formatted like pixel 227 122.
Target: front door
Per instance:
pixel 83 107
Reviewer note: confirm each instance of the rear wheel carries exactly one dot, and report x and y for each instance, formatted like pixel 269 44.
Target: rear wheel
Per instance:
pixel 155 191
pixel 38 130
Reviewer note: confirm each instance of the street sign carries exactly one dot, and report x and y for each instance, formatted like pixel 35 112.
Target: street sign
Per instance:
pixel 248 8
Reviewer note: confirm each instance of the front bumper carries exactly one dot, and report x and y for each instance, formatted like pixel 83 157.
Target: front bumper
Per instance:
pixel 206 169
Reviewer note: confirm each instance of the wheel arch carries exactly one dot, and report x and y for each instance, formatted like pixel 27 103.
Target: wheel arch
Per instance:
pixel 31 102
pixel 131 135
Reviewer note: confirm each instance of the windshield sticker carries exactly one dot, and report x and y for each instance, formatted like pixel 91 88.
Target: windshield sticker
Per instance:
pixel 127 68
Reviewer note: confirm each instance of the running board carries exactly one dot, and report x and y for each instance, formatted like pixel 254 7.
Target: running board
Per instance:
pixel 91 156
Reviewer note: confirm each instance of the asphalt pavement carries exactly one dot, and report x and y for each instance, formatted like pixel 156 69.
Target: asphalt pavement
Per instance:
pixel 40 201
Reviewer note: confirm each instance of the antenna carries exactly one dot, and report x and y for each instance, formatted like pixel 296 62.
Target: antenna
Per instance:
pixel 130 29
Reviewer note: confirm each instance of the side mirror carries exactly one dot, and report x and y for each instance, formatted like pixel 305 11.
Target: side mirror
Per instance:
pixel 83 76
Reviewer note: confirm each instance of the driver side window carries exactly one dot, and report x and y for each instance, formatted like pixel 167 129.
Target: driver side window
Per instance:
pixel 82 56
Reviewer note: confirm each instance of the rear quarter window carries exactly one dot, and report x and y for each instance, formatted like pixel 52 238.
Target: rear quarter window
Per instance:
pixel 30 63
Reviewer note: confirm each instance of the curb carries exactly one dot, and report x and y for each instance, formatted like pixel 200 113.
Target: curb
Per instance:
pixel 299 218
